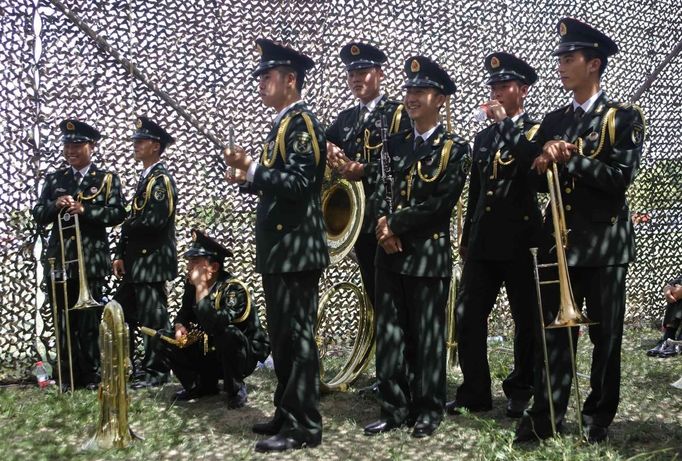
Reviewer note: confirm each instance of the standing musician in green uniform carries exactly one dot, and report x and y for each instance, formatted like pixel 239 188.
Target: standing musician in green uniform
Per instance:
pixel 94 195
pixel 596 143
pixel 354 144
pixel 229 331
pixel 502 221
pixel 146 256
pixel 414 263
pixel 291 248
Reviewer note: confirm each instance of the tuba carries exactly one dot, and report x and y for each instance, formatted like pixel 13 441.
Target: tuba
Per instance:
pixel 343 208
pixel 112 428
pixel 569 314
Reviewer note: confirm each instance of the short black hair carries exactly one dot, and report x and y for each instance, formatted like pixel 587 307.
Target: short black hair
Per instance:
pixel 300 76
pixel 591 54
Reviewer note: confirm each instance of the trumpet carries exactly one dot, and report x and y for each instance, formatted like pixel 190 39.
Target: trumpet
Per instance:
pixel 569 314
pixel 60 276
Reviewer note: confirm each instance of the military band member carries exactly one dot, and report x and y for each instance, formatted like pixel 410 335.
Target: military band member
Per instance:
pixel 597 144
pixel 146 255
pixel 291 248
pixel 94 194
pixel 231 341
pixel 354 143
pixel 414 263
pixel 502 221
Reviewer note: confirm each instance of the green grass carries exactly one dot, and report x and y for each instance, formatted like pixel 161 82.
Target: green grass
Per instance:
pixel 41 425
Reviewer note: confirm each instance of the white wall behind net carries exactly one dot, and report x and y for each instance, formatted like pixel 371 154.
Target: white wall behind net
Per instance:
pixel 201 53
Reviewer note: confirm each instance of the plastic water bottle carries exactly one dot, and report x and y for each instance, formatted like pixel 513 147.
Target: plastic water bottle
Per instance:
pixel 479 114
pixel 43 372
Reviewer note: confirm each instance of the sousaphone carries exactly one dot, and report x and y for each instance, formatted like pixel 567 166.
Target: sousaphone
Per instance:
pixel 343 357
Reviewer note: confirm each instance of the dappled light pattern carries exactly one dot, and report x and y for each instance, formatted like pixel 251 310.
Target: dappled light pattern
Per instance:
pixel 200 53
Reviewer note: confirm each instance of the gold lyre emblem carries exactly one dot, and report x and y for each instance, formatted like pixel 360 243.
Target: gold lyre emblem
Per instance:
pixel 70 126
pixel 138 123
pixel 562 29
pixel 494 62
pixel 414 66
pixel 354 50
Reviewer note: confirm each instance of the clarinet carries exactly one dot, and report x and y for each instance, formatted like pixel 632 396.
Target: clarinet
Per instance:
pixel 386 166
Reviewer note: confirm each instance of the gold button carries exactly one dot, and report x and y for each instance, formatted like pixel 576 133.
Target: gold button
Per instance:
pixel 613 219
pixel 487 208
pixel 435 236
pixel 73 237
pixel 399 207
pixel 526 218
pixel 568 190
pixel 357 156
pixel 358 140
pixel 144 251
pixel 489 193
pixel 402 193
pixel 279 227
pixel 492 177
pixel 569 207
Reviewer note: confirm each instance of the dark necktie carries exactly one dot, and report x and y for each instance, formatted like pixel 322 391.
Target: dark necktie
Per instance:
pixel 363 114
pixel 578 113
pixel 418 142
pixel 78 177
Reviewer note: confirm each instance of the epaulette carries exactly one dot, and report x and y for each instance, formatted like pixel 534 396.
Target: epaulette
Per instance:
pixel 280 139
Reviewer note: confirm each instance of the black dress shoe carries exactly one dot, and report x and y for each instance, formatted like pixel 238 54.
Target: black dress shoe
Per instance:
pixel 271 427
pixel 92 386
pixel 194 393
pixel 456 408
pixel 526 434
pixel 515 408
pixel 381 426
pixel 596 434
pixel 281 443
pixel 150 381
pixel 239 399
pixel 423 429
pixel 653 352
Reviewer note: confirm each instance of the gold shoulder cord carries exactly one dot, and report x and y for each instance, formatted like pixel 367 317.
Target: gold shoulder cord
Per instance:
pixel 247 309
pixel 106 182
pixel 444 158
pixel 281 142
pixel 530 134
pixel 313 137
pixel 395 123
pixel 148 192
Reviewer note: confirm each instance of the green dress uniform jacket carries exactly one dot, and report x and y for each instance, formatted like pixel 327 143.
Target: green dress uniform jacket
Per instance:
pixel 360 140
pixel 290 232
pixel 601 243
pixel 147 245
pixel 502 217
pixel 104 206
pixel 427 185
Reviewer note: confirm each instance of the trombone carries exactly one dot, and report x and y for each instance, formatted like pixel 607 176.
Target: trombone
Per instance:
pixel 569 315
pixel 60 276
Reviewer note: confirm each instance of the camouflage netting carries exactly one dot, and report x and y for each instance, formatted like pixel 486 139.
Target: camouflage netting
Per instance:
pixel 201 52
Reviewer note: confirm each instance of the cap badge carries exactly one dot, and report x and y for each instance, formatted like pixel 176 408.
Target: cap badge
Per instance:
pixel 138 123
pixel 562 29
pixel 70 126
pixel 414 66
pixel 354 50
pixel 494 62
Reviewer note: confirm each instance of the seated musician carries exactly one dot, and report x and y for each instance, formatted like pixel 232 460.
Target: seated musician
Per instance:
pixel 672 320
pixel 217 313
